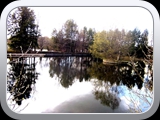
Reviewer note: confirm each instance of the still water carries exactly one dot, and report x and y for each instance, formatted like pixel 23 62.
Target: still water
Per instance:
pixel 77 85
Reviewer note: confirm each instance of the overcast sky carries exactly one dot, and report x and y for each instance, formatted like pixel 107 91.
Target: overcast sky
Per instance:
pixel 100 18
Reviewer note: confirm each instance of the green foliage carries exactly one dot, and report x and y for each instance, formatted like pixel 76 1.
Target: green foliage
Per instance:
pixel 90 37
pixel 116 44
pixel 57 39
pixel 142 47
pixel 22 29
pixel 100 47
pixel 134 39
pixel 106 45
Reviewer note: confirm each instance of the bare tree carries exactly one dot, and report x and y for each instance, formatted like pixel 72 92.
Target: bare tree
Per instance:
pixel 43 43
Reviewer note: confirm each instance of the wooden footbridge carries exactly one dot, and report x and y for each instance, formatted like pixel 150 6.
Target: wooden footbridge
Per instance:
pixel 47 54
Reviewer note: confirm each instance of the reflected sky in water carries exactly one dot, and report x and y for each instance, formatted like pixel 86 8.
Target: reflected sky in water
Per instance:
pixel 86 96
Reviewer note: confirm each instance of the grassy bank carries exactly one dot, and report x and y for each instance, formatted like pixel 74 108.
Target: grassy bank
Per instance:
pixel 121 60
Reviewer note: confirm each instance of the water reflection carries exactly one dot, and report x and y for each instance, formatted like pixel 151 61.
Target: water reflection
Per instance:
pixel 68 69
pixel 119 73
pixel 107 77
pixel 110 82
pixel 21 77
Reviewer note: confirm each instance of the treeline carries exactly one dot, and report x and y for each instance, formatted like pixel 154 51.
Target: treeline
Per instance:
pixel 104 44
pixel 116 43
pixel 25 34
pixel 68 39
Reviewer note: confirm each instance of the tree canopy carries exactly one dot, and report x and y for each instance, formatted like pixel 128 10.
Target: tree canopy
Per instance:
pixel 114 44
pixel 70 39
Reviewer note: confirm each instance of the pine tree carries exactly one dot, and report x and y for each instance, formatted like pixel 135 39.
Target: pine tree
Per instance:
pixel 22 29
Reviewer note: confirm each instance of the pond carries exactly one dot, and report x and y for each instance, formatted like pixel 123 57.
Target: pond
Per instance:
pixel 77 85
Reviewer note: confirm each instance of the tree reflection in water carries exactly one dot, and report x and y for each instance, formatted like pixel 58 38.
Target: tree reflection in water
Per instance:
pixel 105 77
pixel 107 94
pixel 21 77
pixel 68 69
pixel 111 76
pixel 118 73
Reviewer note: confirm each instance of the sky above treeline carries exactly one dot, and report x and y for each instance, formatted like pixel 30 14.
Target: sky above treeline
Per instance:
pixel 99 18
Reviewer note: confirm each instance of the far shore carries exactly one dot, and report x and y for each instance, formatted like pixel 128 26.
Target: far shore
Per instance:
pixel 63 54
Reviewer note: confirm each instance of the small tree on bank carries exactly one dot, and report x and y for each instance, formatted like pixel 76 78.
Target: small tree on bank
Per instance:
pixel 22 29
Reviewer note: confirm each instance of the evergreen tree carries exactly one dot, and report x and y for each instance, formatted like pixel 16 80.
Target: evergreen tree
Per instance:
pixel 142 47
pixel 22 29
pixel 135 36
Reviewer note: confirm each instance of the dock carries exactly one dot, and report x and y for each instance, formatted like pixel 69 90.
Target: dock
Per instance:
pixel 24 55
pixel 47 54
